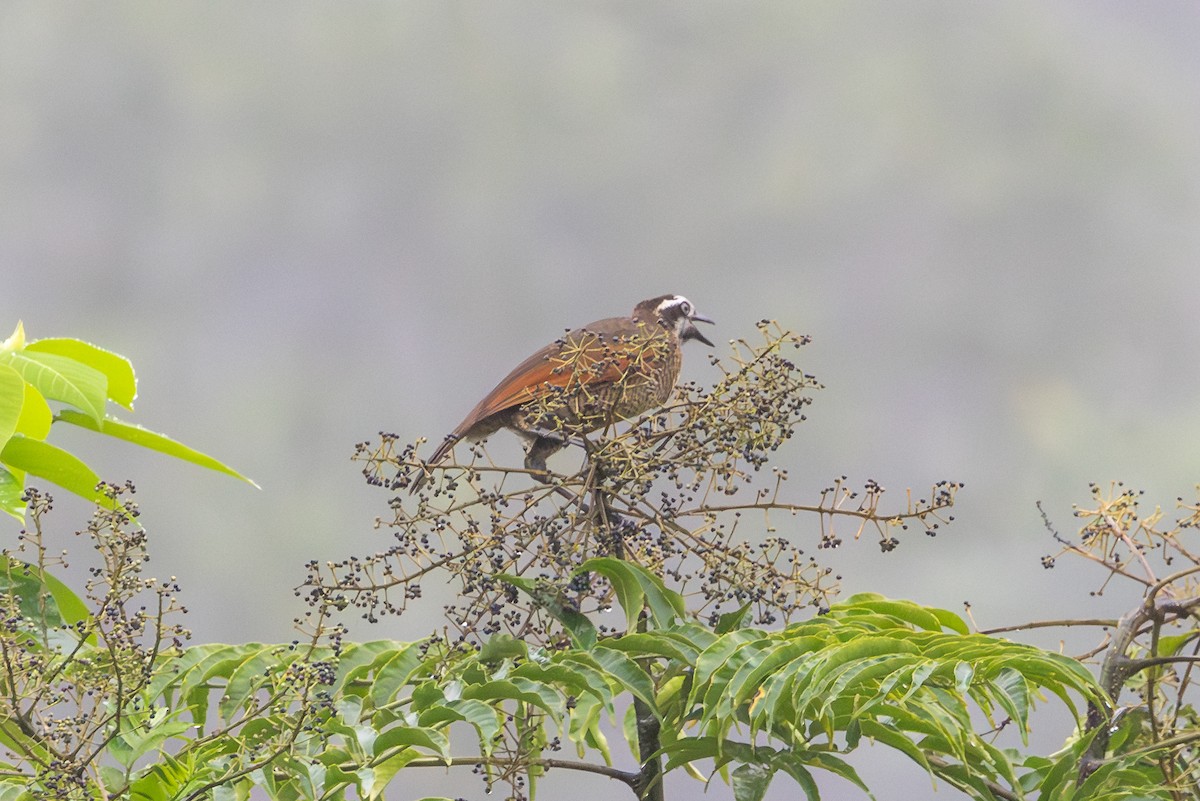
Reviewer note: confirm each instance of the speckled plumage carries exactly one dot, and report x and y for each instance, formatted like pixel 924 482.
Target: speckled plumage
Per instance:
pixel 591 377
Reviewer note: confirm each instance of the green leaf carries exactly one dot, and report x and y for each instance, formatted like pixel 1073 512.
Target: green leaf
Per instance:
pixel 393 672
pixel 413 737
pixel 905 611
pixel 964 673
pixel 732 620
pixel 750 781
pixel 122 384
pixel 1012 692
pixel 53 464
pixel 895 739
pixel 140 737
pixel 628 672
pixel 825 761
pixel 42 619
pixel 384 771
pixel 644 644
pixel 175 672
pixel 247 678
pixel 70 606
pixel 11 491
pixel 526 692
pixel 1170 645
pixel 484 718
pixel 36 416
pixel 502 646
pixel 12 398
pixel 149 439
pixel 359 660
pixel 198 667
pixel 691 749
pixel 717 657
pixel 637 588
pixel 585 729
pixel 578 677
pixel 581 630
pixel 63 379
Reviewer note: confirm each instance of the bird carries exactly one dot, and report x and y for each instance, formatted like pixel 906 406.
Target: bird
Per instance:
pixel 587 379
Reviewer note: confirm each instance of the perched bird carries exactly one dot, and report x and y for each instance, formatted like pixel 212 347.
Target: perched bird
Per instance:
pixel 589 378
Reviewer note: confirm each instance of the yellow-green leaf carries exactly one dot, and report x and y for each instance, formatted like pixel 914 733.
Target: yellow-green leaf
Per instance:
pixel 149 439
pixel 53 464
pixel 12 487
pixel 36 416
pixel 12 398
pixel 16 341
pixel 122 383
pixel 63 379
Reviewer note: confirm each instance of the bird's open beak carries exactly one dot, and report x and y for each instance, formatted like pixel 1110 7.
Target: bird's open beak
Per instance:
pixel 691 332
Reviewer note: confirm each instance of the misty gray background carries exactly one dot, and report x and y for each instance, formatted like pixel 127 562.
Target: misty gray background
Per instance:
pixel 308 223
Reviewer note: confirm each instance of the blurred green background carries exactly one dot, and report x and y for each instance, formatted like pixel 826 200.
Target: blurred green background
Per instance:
pixel 306 223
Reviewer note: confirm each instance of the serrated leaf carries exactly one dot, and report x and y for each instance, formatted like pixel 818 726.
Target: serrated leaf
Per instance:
pixel 122 383
pixel 150 440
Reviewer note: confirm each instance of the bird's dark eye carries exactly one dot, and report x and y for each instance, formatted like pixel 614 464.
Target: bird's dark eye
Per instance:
pixel 686 308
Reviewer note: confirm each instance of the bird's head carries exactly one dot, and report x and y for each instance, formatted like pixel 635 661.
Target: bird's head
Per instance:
pixel 677 313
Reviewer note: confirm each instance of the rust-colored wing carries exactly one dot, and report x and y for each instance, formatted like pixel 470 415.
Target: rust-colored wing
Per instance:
pixel 601 352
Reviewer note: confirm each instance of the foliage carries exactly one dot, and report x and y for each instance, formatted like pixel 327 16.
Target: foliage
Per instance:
pixel 82 379
pixel 314 719
pixel 101 698
pixel 666 492
pixel 1150 656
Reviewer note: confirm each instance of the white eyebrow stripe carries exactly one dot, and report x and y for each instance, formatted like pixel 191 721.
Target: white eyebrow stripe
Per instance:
pixel 674 300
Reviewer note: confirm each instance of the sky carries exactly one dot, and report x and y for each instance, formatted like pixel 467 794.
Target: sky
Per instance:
pixel 308 224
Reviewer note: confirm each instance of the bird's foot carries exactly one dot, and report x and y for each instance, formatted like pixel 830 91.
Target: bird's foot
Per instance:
pixel 560 438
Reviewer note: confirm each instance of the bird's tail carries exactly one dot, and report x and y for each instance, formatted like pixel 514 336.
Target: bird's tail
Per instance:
pixel 438 456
